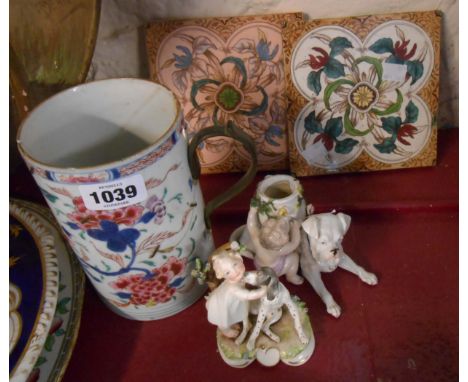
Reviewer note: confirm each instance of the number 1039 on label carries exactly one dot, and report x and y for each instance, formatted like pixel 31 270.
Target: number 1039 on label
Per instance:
pixel 119 193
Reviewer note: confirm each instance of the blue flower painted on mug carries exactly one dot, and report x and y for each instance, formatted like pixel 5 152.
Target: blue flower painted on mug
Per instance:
pixel 117 240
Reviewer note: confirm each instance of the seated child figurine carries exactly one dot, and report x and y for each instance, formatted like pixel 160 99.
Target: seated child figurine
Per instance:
pixel 275 243
pixel 228 304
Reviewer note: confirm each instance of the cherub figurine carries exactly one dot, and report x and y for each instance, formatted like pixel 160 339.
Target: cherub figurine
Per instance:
pixel 275 243
pixel 228 304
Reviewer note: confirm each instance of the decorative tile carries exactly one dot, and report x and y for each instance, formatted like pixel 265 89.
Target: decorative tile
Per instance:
pixel 364 93
pixel 227 69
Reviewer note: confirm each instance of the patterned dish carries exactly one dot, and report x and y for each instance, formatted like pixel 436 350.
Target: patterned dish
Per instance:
pixel 34 277
pixel 61 339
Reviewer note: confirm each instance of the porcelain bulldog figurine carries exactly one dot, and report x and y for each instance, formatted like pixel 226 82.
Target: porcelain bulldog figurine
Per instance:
pixel 228 304
pixel 325 232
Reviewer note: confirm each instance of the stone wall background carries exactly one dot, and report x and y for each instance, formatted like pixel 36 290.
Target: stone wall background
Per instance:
pixel 120 50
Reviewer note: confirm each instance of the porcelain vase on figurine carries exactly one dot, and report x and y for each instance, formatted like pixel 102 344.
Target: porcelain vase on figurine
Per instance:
pixel 272 236
pixel 280 195
pixel 111 159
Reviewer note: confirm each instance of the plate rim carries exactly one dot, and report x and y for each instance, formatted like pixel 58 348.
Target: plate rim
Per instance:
pixel 78 291
pixel 44 241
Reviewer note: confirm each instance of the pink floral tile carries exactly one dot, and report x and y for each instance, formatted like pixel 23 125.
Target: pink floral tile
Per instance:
pixel 227 69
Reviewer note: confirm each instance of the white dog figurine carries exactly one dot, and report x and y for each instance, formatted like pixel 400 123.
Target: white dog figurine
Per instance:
pixel 325 232
pixel 270 306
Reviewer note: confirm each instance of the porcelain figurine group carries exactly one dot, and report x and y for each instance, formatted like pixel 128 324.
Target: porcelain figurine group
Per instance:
pixel 282 236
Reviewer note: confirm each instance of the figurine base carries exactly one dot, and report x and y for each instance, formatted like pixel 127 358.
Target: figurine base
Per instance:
pixel 289 350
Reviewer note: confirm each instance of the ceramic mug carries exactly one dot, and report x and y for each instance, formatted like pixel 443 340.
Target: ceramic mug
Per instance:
pixel 112 160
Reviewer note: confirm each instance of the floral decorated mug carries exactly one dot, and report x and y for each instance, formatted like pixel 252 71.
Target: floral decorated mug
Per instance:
pixel 112 161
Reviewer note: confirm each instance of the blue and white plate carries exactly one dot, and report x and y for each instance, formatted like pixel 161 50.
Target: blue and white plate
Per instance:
pixel 33 291
pixel 62 335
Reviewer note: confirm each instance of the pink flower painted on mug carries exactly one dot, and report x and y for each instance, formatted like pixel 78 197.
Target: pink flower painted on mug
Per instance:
pixel 87 219
pixel 127 215
pixel 157 207
pixel 84 220
pixel 79 204
pixel 141 289
pixel 82 178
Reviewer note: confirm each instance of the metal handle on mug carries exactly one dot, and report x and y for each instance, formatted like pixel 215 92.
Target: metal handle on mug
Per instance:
pixel 230 131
